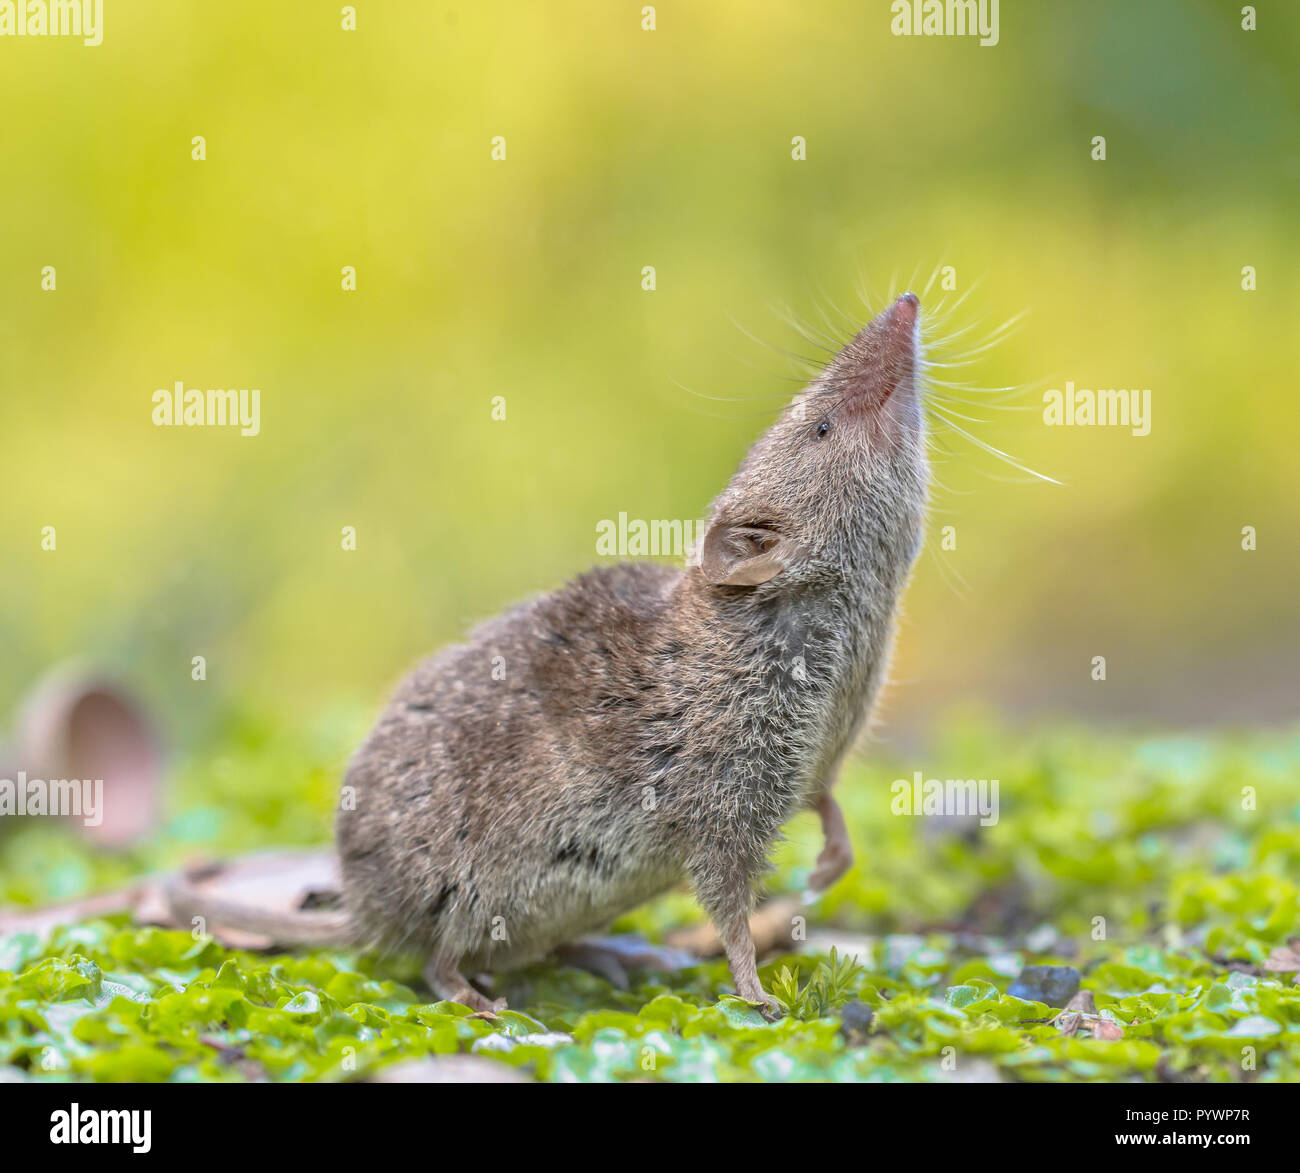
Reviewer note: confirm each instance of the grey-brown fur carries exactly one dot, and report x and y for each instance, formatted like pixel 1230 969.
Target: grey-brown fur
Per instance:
pixel 645 724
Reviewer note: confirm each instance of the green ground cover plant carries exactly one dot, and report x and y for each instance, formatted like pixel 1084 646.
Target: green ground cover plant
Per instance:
pixel 1162 869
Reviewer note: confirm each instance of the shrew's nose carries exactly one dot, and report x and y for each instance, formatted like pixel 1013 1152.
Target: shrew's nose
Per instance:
pixel 900 318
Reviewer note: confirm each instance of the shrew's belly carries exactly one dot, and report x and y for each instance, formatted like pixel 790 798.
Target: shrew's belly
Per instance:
pixel 567 903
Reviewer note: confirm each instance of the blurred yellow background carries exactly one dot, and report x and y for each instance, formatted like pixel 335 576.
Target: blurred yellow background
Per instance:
pixel 522 278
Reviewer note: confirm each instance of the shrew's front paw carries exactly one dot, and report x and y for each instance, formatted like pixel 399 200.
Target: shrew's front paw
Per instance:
pixel 834 861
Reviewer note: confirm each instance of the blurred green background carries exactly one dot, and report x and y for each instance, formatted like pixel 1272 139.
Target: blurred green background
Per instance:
pixel 522 278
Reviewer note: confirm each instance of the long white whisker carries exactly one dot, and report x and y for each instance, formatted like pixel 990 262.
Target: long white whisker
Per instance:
pixel 1003 456
pixel 932 405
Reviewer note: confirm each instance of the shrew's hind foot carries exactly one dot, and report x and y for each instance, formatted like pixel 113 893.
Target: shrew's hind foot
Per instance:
pixel 446 980
pixel 612 957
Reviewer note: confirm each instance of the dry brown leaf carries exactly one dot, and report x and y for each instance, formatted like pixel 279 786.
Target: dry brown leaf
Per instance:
pixel 143 899
pixel 269 881
pixel 1283 959
pixel 1067 1022
pixel 273 881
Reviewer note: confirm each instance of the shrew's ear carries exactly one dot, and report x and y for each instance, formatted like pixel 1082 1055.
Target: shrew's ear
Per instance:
pixel 743 555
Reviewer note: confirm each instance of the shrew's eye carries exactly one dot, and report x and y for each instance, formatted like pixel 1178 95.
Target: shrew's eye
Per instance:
pixel 823 428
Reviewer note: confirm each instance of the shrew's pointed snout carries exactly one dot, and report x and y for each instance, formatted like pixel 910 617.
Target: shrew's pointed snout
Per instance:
pixel 897 327
pixel 882 359
pixel 903 313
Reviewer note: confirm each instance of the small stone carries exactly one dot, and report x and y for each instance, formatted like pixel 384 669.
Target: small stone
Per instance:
pixel 1053 984
pixel 855 1023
